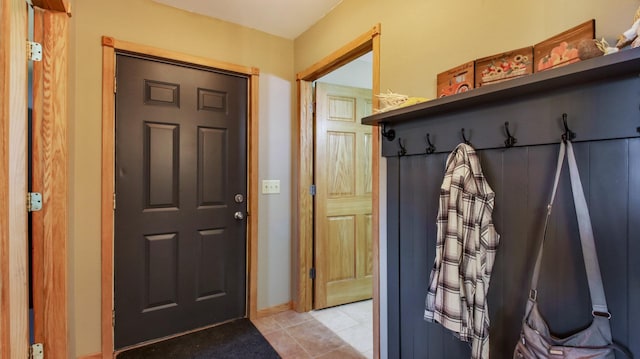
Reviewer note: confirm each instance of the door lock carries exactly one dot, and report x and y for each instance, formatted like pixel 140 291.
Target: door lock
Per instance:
pixel 238 215
pixel 239 198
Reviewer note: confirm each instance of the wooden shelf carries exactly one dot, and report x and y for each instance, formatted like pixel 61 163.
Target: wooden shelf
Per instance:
pixel 599 68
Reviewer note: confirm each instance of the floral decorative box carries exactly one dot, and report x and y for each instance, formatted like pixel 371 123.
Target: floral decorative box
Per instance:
pixel 504 66
pixel 562 49
pixel 456 80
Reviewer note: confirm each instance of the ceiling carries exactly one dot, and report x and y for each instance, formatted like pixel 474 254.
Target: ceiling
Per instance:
pixel 284 18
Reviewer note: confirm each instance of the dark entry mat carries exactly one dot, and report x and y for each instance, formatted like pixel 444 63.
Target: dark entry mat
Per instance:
pixel 237 339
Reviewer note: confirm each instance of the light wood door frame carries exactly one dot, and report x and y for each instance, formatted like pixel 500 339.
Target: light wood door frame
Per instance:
pixel 367 42
pixel 50 177
pixel 50 250
pixel 109 48
pixel 14 294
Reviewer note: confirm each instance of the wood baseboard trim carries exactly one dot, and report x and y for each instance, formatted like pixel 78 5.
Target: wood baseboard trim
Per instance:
pixel 91 356
pixel 274 310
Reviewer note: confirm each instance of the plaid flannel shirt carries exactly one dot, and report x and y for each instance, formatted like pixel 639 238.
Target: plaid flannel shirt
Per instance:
pixel 465 252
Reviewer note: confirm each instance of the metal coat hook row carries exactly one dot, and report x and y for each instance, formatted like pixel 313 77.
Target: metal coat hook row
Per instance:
pixel 388 134
pixel 430 147
pixel 464 138
pixel 403 150
pixel 568 134
pixel 510 141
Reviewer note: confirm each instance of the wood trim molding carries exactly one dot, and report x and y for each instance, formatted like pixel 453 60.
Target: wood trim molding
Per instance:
pixel 107 193
pixel 266 312
pixel 253 193
pixel 92 356
pixel 54 5
pixel 5 265
pixel 303 249
pixel 14 295
pixel 109 48
pixel 357 47
pixel 126 46
pixel 375 223
pixel 50 177
pixel 304 293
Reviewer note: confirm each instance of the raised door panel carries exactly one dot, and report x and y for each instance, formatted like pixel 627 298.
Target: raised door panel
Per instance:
pixel 364 163
pixel 161 271
pixel 340 165
pixel 342 246
pixel 364 245
pixel 211 264
pixel 212 161
pixel 161 163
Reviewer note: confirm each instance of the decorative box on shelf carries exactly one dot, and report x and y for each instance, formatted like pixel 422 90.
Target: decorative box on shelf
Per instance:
pixel 505 66
pixel 456 80
pixel 562 49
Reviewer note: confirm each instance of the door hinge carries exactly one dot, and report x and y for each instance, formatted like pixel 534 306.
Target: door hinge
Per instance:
pixel 36 351
pixel 34 201
pixel 114 201
pixel 312 190
pixel 34 51
pixel 113 318
pixel 115 84
pixel 312 273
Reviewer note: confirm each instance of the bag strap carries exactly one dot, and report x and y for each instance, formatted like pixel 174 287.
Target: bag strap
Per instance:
pixel 596 289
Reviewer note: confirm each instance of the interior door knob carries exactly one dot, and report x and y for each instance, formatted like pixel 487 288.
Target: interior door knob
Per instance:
pixel 238 215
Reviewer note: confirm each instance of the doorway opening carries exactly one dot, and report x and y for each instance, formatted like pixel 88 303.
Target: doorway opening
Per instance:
pixel 307 292
pixel 343 286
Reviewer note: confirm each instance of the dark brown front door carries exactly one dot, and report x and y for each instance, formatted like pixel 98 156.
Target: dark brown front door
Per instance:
pixel 180 244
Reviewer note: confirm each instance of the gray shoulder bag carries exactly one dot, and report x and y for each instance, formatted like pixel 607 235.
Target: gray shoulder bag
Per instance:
pixel 594 342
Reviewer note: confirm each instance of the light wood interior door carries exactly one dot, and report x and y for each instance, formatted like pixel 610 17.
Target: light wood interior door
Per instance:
pixel 343 247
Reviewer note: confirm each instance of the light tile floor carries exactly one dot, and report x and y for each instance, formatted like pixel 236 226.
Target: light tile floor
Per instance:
pixel 351 322
pixel 340 332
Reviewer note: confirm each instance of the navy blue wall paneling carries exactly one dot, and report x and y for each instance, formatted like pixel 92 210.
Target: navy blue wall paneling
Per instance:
pixel 522 178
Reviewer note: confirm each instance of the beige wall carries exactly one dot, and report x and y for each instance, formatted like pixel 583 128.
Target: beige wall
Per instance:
pixel 148 23
pixel 421 38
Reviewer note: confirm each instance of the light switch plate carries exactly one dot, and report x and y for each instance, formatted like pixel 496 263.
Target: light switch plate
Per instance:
pixel 270 186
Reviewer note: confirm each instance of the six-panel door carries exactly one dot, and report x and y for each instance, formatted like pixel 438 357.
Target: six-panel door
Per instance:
pixel 180 255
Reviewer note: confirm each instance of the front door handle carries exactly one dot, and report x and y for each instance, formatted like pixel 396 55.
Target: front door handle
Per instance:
pixel 238 215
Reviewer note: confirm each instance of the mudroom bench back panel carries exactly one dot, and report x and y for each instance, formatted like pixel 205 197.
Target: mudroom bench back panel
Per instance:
pixel 601 100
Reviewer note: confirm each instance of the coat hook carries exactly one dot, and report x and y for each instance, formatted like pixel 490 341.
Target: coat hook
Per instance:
pixel 403 150
pixel 464 138
pixel 510 141
pixel 568 134
pixel 390 134
pixel 430 148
